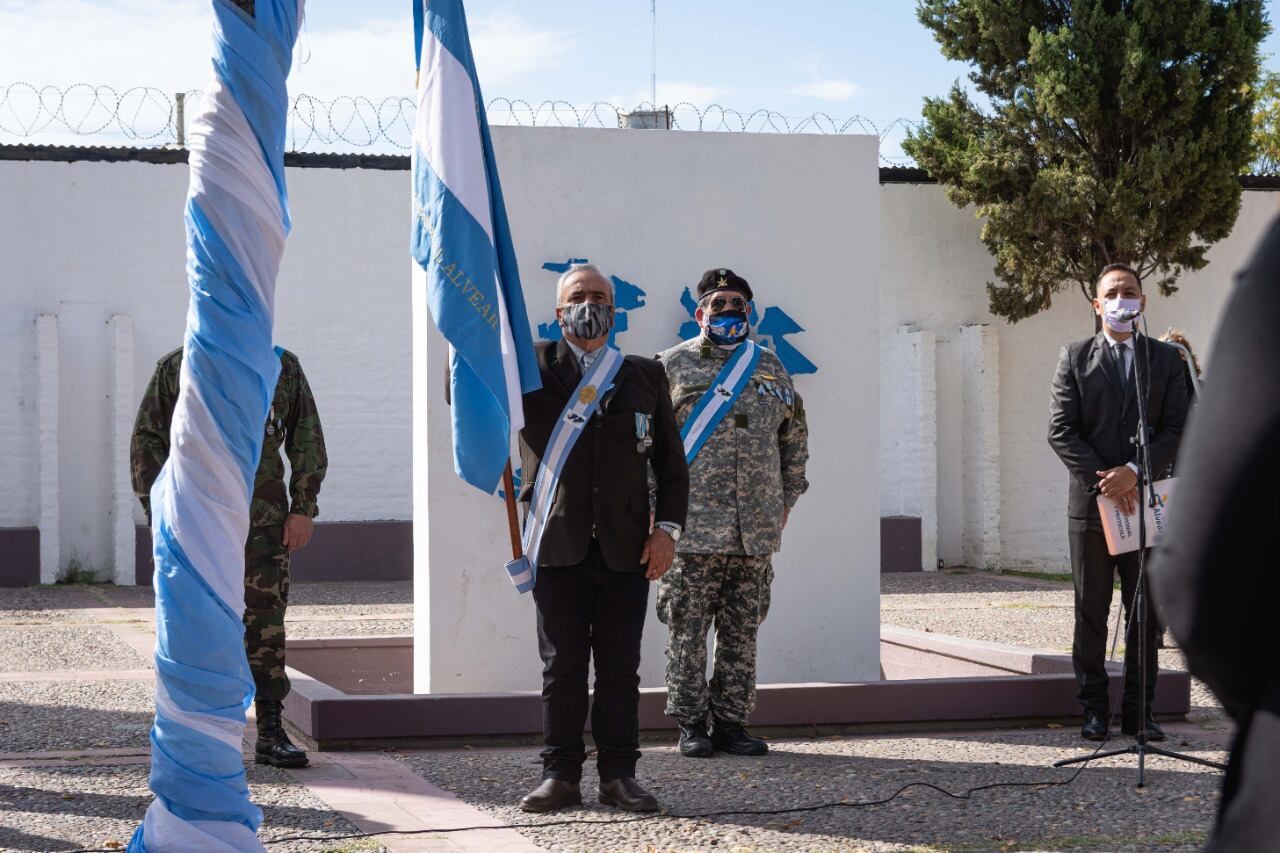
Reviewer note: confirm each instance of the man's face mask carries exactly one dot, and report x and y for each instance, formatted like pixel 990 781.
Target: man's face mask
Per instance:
pixel 586 320
pixel 729 324
pixel 1111 309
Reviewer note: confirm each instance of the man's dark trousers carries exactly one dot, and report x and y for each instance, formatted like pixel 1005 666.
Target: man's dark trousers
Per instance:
pixel 586 611
pixel 1093 570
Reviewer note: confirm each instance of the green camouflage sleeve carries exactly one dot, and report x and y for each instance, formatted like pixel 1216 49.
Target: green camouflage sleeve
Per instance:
pixel 793 451
pixel 304 445
pixel 149 446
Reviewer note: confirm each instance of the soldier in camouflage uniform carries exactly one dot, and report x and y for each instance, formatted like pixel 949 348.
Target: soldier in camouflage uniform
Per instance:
pixel 280 521
pixel 742 485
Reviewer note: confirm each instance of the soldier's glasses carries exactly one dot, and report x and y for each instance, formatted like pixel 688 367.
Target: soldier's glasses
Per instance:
pixel 719 303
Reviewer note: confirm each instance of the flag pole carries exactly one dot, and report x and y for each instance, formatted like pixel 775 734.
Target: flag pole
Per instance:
pixel 513 519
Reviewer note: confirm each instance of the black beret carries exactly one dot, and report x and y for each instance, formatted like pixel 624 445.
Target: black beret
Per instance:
pixel 723 279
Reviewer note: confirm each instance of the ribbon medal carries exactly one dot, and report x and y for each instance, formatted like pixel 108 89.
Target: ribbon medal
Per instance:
pixel 643 439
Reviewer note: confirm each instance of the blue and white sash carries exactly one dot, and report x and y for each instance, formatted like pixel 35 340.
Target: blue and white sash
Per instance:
pixel 719 399
pixel 581 406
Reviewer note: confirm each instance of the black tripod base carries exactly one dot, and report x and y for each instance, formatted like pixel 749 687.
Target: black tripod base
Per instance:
pixel 1142 750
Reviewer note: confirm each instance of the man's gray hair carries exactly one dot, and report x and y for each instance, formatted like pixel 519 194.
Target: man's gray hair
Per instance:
pixel 573 270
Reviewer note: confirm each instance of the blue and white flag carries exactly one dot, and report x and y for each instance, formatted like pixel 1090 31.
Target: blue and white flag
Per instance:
pixel 461 239
pixel 237 218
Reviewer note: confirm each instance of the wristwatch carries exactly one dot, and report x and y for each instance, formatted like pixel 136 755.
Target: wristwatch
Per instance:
pixel 670 528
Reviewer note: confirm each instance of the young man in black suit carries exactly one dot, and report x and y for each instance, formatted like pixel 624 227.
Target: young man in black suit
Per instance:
pixel 599 550
pixel 1093 420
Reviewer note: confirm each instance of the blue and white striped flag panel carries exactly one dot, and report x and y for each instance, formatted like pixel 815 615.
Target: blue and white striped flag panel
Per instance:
pixel 236 218
pixel 461 238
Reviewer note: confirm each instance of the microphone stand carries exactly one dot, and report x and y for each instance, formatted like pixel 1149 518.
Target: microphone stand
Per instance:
pixel 1138 611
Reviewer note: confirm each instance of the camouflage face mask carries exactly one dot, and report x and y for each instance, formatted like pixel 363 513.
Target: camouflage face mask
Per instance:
pixel 586 320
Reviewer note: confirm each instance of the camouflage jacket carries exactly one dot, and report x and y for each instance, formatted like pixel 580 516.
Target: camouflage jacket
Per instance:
pixel 753 466
pixel 292 423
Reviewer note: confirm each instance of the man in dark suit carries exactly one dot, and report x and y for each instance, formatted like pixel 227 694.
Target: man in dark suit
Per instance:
pixel 1215 570
pixel 1093 419
pixel 600 549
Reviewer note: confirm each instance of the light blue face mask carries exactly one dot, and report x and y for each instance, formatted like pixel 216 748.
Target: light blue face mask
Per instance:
pixel 728 327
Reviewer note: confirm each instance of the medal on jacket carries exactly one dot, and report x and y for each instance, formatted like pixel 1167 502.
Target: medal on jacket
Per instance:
pixel 643 439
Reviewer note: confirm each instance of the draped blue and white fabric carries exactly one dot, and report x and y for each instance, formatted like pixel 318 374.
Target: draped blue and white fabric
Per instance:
pixel 461 239
pixel 237 218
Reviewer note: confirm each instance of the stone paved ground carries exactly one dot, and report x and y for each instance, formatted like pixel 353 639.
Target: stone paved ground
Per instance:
pixel 75 707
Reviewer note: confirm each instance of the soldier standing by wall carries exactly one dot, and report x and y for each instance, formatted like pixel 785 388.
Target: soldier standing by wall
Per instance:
pixel 746 441
pixel 280 522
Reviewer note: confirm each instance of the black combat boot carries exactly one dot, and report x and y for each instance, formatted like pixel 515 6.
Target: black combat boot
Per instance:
pixel 274 746
pixel 694 740
pixel 732 738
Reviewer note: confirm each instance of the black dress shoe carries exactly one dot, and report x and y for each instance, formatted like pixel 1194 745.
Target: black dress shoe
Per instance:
pixel 552 794
pixel 626 794
pixel 273 746
pixel 1095 726
pixel 1155 734
pixel 694 740
pixel 733 738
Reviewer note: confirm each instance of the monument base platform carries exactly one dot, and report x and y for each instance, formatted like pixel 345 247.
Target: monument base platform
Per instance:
pixel 352 692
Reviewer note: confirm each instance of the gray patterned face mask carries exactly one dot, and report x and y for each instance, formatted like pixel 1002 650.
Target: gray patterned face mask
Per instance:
pixel 586 320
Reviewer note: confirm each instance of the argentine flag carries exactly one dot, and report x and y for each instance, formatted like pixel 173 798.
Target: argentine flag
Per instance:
pixel 237 217
pixel 461 239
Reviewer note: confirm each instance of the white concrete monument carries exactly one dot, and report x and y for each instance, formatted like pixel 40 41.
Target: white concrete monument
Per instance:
pixel 798 216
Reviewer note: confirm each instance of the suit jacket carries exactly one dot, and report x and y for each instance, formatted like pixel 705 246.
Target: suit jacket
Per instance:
pixel 604 484
pixel 1091 420
pixel 1215 571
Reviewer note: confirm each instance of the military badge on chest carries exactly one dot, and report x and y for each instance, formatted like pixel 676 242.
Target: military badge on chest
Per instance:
pixel 644 432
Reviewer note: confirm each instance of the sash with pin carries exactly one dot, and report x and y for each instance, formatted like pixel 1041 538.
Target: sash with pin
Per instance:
pixel 568 429
pixel 719 399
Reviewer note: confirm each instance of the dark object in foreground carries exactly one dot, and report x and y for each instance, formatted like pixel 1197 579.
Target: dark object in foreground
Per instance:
pixel 1215 572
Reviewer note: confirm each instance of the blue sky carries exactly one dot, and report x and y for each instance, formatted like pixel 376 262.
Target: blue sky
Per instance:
pixel 868 58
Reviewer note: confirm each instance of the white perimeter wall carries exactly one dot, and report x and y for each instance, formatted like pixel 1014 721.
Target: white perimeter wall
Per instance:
pixel 85 242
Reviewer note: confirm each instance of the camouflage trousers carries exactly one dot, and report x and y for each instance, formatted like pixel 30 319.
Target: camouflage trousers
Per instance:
pixel 733 593
pixel 266 595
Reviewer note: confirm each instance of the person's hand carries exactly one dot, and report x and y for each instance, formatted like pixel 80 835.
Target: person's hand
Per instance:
pixel 1117 481
pixel 297 531
pixel 659 551
pixel 1128 502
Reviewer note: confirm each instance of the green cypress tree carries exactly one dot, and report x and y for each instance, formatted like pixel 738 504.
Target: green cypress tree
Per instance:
pixel 1113 130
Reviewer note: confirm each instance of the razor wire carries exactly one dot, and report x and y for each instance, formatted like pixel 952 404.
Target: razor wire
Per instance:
pixel 146 116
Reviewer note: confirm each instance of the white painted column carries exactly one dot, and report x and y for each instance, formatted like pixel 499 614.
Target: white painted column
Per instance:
pixel 981 446
pixel 47 369
pixel 421 465
pixel 124 409
pixel 909 431
pixel 924 349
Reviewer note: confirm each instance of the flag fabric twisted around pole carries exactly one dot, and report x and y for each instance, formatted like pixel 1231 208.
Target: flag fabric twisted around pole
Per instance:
pixel 236 219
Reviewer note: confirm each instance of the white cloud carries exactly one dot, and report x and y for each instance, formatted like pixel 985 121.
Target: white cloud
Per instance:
pixel 165 44
pixel 826 90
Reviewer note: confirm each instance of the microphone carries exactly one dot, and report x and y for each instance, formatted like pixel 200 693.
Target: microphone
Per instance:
pixel 1127 315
